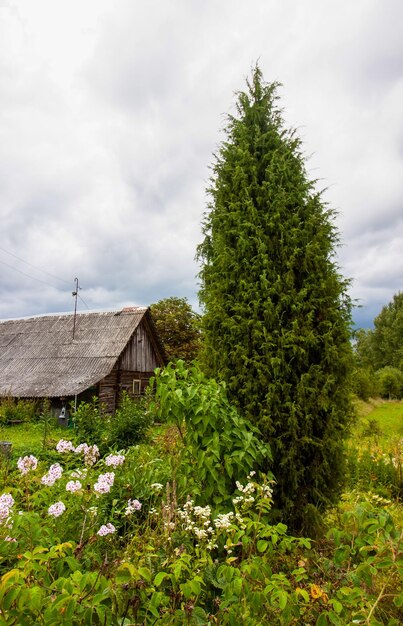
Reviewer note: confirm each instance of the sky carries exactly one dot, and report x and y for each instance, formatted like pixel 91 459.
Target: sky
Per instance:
pixel 110 113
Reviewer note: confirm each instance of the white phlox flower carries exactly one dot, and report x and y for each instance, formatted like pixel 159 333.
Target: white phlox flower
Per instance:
pixel 73 486
pixel 6 505
pixel 54 473
pixel 106 529
pixel 64 446
pixel 132 507
pixel 104 483
pixel 27 463
pixel 57 509
pixel 114 460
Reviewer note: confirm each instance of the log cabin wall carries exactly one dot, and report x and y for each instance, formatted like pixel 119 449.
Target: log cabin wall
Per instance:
pixel 140 354
pixel 137 363
pixel 107 391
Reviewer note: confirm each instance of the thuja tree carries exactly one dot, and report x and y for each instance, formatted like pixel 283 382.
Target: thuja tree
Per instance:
pixel 276 310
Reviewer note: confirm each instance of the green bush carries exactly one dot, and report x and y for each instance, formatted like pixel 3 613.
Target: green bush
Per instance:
pixel 220 446
pixel 130 423
pixel 364 383
pixel 90 424
pixel 390 382
pixel 17 410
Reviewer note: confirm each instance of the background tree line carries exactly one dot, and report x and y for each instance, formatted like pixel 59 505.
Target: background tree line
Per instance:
pixel 379 354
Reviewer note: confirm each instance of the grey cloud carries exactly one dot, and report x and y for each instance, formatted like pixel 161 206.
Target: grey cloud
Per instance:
pixel 104 157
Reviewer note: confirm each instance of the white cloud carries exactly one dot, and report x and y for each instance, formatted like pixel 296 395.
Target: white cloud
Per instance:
pixel 110 115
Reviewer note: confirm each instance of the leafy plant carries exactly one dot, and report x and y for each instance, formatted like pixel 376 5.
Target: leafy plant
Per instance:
pixel 219 446
pixel 21 410
pixel 90 423
pixel 130 423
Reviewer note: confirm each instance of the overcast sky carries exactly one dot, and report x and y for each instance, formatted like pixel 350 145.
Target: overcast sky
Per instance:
pixel 110 113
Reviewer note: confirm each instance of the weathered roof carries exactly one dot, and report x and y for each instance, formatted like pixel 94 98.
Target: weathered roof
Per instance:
pixel 40 358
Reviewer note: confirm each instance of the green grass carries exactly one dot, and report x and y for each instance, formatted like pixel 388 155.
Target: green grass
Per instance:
pixel 389 417
pixel 28 438
pixel 379 419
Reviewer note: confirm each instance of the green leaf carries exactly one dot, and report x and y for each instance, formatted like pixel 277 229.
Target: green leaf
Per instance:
pixel 398 601
pixel 145 573
pixel 283 598
pixel 337 606
pixel 159 578
pixel 262 545
pixel 322 620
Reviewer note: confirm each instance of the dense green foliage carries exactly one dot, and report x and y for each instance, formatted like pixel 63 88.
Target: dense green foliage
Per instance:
pixel 178 327
pixel 379 354
pixel 383 346
pixel 138 552
pixel 219 446
pixel 364 383
pixel 18 410
pixel 277 314
pixel 390 382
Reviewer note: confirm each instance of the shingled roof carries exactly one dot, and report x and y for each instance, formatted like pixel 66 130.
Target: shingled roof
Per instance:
pixel 40 358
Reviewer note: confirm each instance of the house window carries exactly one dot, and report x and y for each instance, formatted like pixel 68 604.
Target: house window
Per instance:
pixel 136 387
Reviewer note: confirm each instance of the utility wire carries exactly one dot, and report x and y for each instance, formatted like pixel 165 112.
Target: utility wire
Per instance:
pixel 34 266
pixel 28 275
pixel 83 301
pixel 34 277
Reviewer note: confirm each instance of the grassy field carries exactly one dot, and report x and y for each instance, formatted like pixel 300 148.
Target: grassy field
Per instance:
pixel 379 419
pixel 31 437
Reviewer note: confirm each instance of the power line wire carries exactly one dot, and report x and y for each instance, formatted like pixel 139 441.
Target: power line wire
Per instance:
pixel 28 275
pixel 34 266
pixel 83 301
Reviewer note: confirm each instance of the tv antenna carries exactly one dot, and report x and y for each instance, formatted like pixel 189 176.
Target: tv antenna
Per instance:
pixel 75 296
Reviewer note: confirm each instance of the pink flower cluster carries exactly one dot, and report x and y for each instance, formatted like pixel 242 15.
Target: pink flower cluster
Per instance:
pixel 91 453
pixel 6 504
pixel 132 507
pixel 54 473
pixel 73 486
pixel 106 529
pixel 114 460
pixel 65 446
pixel 27 463
pixel 104 482
pixel 55 510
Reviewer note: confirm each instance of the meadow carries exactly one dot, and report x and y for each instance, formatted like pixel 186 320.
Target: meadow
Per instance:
pixel 94 533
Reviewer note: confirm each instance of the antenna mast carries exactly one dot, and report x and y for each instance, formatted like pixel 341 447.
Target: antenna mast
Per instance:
pixel 75 296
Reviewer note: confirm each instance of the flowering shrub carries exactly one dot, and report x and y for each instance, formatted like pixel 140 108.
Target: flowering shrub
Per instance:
pixel 89 546
pixel 218 444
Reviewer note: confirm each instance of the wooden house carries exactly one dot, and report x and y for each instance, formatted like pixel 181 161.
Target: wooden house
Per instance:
pixel 67 357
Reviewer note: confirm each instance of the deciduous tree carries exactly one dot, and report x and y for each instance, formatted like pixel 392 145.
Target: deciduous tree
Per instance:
pixel 383 345
pixel 178 326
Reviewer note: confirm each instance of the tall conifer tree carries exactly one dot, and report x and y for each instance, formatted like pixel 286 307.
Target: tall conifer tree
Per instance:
pixel 276 310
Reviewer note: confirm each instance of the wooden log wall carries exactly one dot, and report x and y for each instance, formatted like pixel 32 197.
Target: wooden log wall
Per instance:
pixel 137 362
pixel 107 391
pixel 140 354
